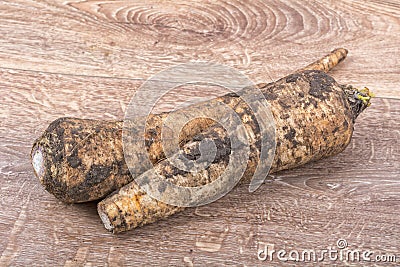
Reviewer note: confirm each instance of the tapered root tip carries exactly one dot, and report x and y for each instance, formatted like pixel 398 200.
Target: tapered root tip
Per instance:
pixel 329 61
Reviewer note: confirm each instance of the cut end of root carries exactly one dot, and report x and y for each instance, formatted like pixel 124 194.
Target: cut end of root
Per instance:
pixel 38 162
pixel 106 221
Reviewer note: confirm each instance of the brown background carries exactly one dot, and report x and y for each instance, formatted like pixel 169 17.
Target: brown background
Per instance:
pixel 87 58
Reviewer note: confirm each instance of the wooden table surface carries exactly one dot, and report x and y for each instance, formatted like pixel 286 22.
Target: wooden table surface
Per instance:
pixel 86 59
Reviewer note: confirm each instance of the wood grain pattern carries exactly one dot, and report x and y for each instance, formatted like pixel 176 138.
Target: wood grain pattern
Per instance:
pixel 87 58
pixel 264 39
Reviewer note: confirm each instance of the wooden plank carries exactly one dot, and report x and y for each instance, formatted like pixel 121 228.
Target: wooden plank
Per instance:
pixel 353 196
pixel 135 39
pixel 87 58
